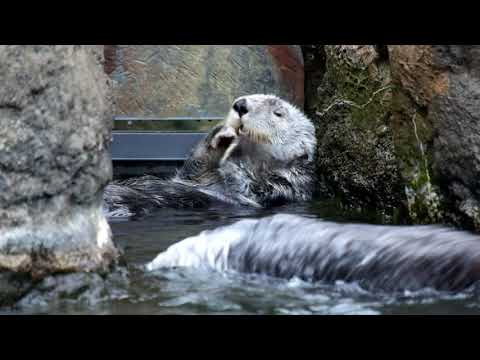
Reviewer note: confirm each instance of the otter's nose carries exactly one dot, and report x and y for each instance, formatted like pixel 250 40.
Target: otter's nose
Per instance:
pixel 240 107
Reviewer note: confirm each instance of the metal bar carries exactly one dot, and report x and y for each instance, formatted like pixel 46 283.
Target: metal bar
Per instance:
pixel 182 118
pixel 144 146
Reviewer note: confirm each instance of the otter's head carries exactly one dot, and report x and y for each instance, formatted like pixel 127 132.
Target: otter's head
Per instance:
pixel 273 124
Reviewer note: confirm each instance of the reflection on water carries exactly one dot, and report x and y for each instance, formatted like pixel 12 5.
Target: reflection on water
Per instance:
pixel 191 291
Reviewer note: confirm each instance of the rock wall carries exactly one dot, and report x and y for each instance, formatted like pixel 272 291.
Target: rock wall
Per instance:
pixel 350 103
pixel 54 163
pixel 436 118
pixel 399 128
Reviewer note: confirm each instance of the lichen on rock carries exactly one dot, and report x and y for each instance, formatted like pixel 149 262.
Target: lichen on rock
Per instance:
pixel 398 128
pixel 356 158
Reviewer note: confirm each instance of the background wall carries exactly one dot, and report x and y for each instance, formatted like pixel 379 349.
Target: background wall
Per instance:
pixel 200 80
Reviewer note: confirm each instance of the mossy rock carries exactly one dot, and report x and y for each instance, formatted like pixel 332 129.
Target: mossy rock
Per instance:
pixel 356 158
pixel 435 111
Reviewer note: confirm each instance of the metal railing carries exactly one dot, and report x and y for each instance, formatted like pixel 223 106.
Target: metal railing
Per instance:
pixel 158 138
pixel 179 118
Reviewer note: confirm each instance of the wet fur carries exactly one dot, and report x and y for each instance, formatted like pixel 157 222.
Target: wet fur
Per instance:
pixel 388 258
pixel 236 170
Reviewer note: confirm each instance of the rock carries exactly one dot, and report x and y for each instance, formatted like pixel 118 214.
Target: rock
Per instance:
pixel 200 80
pixel 350 103
pixel 54 163
pixel 314 63
pixel 436 111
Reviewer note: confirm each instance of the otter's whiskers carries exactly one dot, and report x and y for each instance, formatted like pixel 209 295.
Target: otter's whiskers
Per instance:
pixel 255 135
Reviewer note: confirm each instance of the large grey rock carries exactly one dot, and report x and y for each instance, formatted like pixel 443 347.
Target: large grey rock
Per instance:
pixel 437 130
pixel 55 116
pixel 199 80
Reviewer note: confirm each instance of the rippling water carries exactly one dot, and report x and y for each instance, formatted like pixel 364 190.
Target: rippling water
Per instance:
pixel 130 290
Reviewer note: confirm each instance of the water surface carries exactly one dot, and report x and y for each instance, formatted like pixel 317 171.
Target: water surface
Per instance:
pixel 130 290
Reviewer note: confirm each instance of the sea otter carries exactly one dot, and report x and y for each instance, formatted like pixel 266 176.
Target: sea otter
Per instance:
pixel 261 155
pixel 377 257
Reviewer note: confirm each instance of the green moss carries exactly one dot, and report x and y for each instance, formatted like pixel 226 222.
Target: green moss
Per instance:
pixel 356 157
pixel 423 198
pixel 413 139
pixel 358 85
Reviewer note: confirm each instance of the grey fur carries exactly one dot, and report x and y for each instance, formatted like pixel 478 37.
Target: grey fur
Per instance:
pixel 390 258
pixel 263 159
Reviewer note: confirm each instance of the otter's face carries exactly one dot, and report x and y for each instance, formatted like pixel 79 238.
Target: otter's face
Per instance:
pixel 274 124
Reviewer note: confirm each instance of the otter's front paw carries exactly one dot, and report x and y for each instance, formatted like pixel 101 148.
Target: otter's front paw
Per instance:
pixel 223 138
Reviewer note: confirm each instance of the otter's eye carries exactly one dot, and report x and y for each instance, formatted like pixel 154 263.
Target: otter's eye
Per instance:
pixel 278 113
